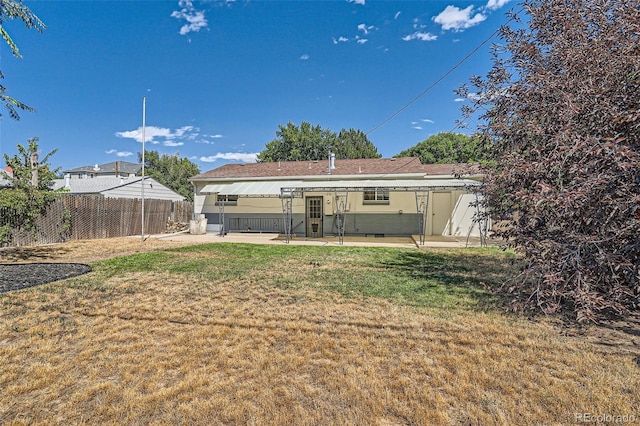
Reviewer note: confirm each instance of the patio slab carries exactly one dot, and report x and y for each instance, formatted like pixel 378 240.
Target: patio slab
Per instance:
pixel 267 238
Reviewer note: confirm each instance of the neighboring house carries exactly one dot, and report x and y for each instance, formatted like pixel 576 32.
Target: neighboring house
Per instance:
pixel 114 169
pixel 370 197
pixel 118 187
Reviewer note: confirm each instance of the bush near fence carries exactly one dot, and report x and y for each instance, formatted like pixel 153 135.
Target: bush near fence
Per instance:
pixel 82 217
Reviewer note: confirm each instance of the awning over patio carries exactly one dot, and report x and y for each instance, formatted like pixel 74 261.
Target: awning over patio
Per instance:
pixel 250 189
pixel 276 188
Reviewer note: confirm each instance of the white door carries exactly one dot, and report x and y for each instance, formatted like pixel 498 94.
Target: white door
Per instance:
pixel 314 217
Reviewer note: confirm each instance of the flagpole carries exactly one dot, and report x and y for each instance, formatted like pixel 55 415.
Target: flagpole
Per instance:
pixel 144 117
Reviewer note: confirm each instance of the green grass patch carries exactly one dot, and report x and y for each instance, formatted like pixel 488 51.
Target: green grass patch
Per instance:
pixel 444 278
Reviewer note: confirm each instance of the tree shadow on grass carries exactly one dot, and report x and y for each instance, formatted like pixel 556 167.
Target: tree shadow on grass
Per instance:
pixel 479 276
pixel 31 253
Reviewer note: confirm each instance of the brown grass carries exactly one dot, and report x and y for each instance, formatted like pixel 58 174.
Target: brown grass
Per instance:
pixel 150 348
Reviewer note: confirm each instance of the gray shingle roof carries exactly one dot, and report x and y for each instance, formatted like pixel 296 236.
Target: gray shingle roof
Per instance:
pixel 95 185
pixel 122 167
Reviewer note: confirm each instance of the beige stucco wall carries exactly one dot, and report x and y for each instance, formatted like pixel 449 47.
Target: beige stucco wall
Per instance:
pixel 448 212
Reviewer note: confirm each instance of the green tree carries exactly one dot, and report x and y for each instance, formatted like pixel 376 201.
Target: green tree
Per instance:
pixel 562 112
pixel 30 191
pixel 445 148
pixel 354 144
pixel 172 171
pixel 308 142
pixel 29 170
pixel 9 10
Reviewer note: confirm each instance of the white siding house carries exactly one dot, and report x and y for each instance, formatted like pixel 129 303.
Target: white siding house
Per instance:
pixel 118 187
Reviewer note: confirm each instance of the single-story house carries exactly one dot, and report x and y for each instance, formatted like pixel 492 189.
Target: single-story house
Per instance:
pixel 367 197
pixel 118 187
pixel 122 169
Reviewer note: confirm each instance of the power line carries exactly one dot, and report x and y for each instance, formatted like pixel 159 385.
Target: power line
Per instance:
pixel 435 83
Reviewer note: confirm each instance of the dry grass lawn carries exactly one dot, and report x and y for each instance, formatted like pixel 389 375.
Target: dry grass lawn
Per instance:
pixel 276 342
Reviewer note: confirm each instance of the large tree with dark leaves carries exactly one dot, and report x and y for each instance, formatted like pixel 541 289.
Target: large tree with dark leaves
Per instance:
pixel 562 112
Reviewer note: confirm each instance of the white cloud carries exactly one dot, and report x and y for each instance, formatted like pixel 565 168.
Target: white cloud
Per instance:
pixel 304 57
pixel 150 133
pixel 245 157
pixel 119 153
pixel 362 41
pixel 459 100
pixel 188 132
pixel 365 28
pixel 340 39
pixel 171 143
pixel 195 18
pixel 420 36
pixel 360 2
pixel 456 19
pixel 416 124
pixel 496 4
pixel 397 15
pixel 166 136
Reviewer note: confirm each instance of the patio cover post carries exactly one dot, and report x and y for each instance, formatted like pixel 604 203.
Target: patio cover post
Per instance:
pixel 422 205
pixel 341 212
pixel 221 214
pixel 286 197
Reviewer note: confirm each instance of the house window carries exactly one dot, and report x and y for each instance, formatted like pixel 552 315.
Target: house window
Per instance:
pixel 229 200
pixel 376 196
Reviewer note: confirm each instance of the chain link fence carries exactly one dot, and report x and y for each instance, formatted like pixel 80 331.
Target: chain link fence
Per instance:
pixel 81 217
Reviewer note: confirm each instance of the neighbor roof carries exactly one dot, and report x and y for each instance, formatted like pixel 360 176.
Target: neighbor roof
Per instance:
pixel 366 166
pixel 123 167
pixel 94 186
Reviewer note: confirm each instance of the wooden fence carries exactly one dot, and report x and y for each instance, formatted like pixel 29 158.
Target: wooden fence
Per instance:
pixel 81 217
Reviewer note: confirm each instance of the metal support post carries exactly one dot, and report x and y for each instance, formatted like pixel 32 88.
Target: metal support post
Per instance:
pixel 341 212
pixel 482 223
pixel 422 205
pixel 286 197
pixel 221 215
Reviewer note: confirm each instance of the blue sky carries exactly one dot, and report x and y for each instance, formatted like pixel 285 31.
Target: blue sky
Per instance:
pixel 220 76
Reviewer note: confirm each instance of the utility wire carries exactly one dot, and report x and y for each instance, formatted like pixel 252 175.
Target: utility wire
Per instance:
pixel 435 83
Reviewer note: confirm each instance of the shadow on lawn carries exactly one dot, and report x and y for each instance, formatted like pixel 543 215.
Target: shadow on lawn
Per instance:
pixel 479 276
pixel 31 253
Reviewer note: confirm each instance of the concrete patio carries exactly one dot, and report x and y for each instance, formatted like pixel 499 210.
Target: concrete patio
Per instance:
pixel 268 238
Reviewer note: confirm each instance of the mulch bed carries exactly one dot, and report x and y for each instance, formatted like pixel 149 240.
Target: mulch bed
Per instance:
pixel 23 275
